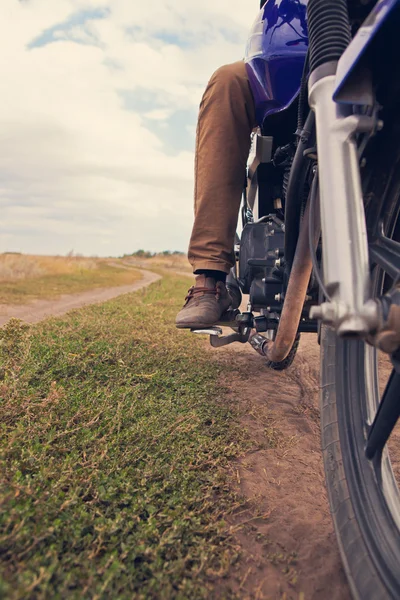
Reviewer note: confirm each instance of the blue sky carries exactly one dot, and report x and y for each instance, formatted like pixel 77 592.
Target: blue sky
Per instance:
pixel 97 125
pixel 64 30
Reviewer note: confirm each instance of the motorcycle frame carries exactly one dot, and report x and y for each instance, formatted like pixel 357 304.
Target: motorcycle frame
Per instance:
pixel 336 94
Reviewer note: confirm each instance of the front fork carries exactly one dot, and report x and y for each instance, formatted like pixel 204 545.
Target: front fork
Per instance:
pixel 348 306
pixel 345 245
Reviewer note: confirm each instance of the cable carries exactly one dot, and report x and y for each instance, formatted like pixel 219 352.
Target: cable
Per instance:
pixel 314 195
pixel 303 96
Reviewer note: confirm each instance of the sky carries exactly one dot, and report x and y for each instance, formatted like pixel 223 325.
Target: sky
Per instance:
pixel 98 108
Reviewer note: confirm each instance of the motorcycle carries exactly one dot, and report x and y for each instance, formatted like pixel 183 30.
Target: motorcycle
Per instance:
pixel 319 248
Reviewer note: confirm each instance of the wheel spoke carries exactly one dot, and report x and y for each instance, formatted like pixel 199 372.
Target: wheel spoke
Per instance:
pixel 386 417
pixel 385 253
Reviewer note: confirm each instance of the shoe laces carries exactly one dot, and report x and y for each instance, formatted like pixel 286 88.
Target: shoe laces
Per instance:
pixel 201 290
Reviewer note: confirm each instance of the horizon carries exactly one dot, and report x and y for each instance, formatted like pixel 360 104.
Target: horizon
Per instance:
pixel 72 254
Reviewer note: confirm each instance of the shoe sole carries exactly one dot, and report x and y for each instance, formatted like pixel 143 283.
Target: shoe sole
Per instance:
pixel 226 320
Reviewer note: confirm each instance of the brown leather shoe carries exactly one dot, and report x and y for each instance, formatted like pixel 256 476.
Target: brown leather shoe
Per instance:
pixel 206 301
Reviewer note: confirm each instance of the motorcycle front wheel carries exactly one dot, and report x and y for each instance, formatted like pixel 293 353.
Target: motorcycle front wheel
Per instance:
pixel 355 380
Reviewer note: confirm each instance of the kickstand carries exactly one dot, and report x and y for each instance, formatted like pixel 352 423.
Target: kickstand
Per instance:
pixel 224 340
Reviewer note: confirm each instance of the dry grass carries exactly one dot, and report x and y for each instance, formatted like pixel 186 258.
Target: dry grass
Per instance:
pixel 14 267
pixel 24 278
pixel 174 262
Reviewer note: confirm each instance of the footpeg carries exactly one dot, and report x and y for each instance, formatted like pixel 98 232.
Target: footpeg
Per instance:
pixel 209 331
pixel 231 319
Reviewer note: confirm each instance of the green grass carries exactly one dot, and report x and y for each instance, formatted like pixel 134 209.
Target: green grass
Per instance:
pixel 53 285
pixel 115 436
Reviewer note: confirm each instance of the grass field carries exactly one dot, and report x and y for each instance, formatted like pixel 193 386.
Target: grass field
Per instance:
pixel 174 262
pixel 24 278
pixel 115 438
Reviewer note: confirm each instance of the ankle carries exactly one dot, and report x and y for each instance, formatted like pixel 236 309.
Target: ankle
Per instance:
pixel 217 275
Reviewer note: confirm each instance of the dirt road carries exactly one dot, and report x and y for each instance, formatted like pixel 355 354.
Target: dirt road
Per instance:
pixel 283 529
pixel 40 309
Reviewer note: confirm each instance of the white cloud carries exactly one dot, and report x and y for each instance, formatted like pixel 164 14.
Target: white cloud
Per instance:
pixel 83 163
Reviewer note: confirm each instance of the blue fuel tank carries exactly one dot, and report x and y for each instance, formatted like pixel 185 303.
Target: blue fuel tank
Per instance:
pixel 275 55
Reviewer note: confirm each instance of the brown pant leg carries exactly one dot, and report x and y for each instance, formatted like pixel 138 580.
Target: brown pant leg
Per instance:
pixel 225 122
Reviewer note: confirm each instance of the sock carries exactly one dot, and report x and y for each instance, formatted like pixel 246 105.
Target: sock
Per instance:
pixel 217 275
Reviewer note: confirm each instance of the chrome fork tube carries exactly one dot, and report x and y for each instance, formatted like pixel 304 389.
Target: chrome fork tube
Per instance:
pixel 344 237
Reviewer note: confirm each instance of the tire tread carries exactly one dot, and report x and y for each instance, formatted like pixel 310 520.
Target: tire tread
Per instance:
pixel 361 573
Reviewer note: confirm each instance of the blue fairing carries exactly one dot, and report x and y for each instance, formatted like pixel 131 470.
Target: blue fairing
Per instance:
pixel 382 17
pixel 275 55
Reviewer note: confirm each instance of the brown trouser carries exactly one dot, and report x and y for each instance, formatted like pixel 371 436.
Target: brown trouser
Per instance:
pixel 226 119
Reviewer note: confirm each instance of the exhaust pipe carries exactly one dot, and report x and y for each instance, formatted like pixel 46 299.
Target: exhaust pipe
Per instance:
pixel 277 350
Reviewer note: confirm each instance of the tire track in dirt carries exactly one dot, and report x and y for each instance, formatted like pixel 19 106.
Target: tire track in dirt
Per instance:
pixel 283 529
pixel 42 309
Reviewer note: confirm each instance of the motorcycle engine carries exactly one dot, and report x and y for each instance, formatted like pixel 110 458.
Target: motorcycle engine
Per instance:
pixel 260 272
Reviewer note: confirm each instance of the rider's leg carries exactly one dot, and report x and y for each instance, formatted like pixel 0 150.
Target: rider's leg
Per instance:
pixel 225 122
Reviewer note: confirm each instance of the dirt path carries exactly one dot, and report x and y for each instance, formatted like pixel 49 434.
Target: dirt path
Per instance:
pixel 40 309
pixel 283 528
